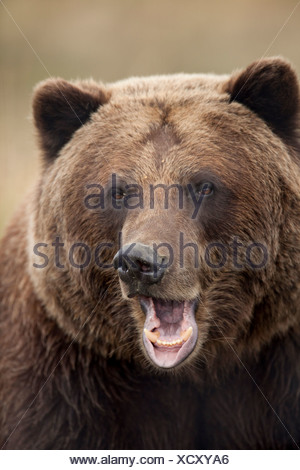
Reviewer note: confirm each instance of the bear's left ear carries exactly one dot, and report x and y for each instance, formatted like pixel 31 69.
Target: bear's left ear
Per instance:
pixel 270 88
pixel 60 108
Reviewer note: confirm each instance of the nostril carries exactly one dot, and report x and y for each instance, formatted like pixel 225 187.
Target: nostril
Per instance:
pixel 138 262
pixel 144 266
pixel 124 266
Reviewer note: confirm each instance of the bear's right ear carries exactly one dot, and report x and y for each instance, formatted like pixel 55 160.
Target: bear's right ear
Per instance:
pixel 60 108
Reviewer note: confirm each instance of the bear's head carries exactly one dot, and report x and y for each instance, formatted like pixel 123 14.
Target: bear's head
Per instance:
pixel 165 223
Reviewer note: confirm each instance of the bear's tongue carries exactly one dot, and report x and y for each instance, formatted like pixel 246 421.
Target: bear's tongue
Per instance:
pixel 170 332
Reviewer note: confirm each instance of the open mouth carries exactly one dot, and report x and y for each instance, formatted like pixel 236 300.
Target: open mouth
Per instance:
pixel 170 331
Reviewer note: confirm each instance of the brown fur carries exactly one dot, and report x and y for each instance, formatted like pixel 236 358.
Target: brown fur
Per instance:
pixel 74 372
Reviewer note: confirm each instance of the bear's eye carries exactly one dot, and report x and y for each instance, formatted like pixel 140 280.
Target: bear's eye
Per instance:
pixel 118 194
pixel 205 189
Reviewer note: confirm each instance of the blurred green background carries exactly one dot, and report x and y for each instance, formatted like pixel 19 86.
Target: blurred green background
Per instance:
pixel 110 40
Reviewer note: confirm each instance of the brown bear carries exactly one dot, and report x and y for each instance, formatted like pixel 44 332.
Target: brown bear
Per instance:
pixel 150 283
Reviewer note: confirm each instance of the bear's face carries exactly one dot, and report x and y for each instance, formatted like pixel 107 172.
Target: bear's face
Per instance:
pixel 162 204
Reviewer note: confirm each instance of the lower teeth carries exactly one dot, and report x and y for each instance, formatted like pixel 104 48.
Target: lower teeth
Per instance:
pixel 169 343
pixel 153 337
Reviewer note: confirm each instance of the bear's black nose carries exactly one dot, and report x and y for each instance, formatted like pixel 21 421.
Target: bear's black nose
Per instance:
pixel 137 261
